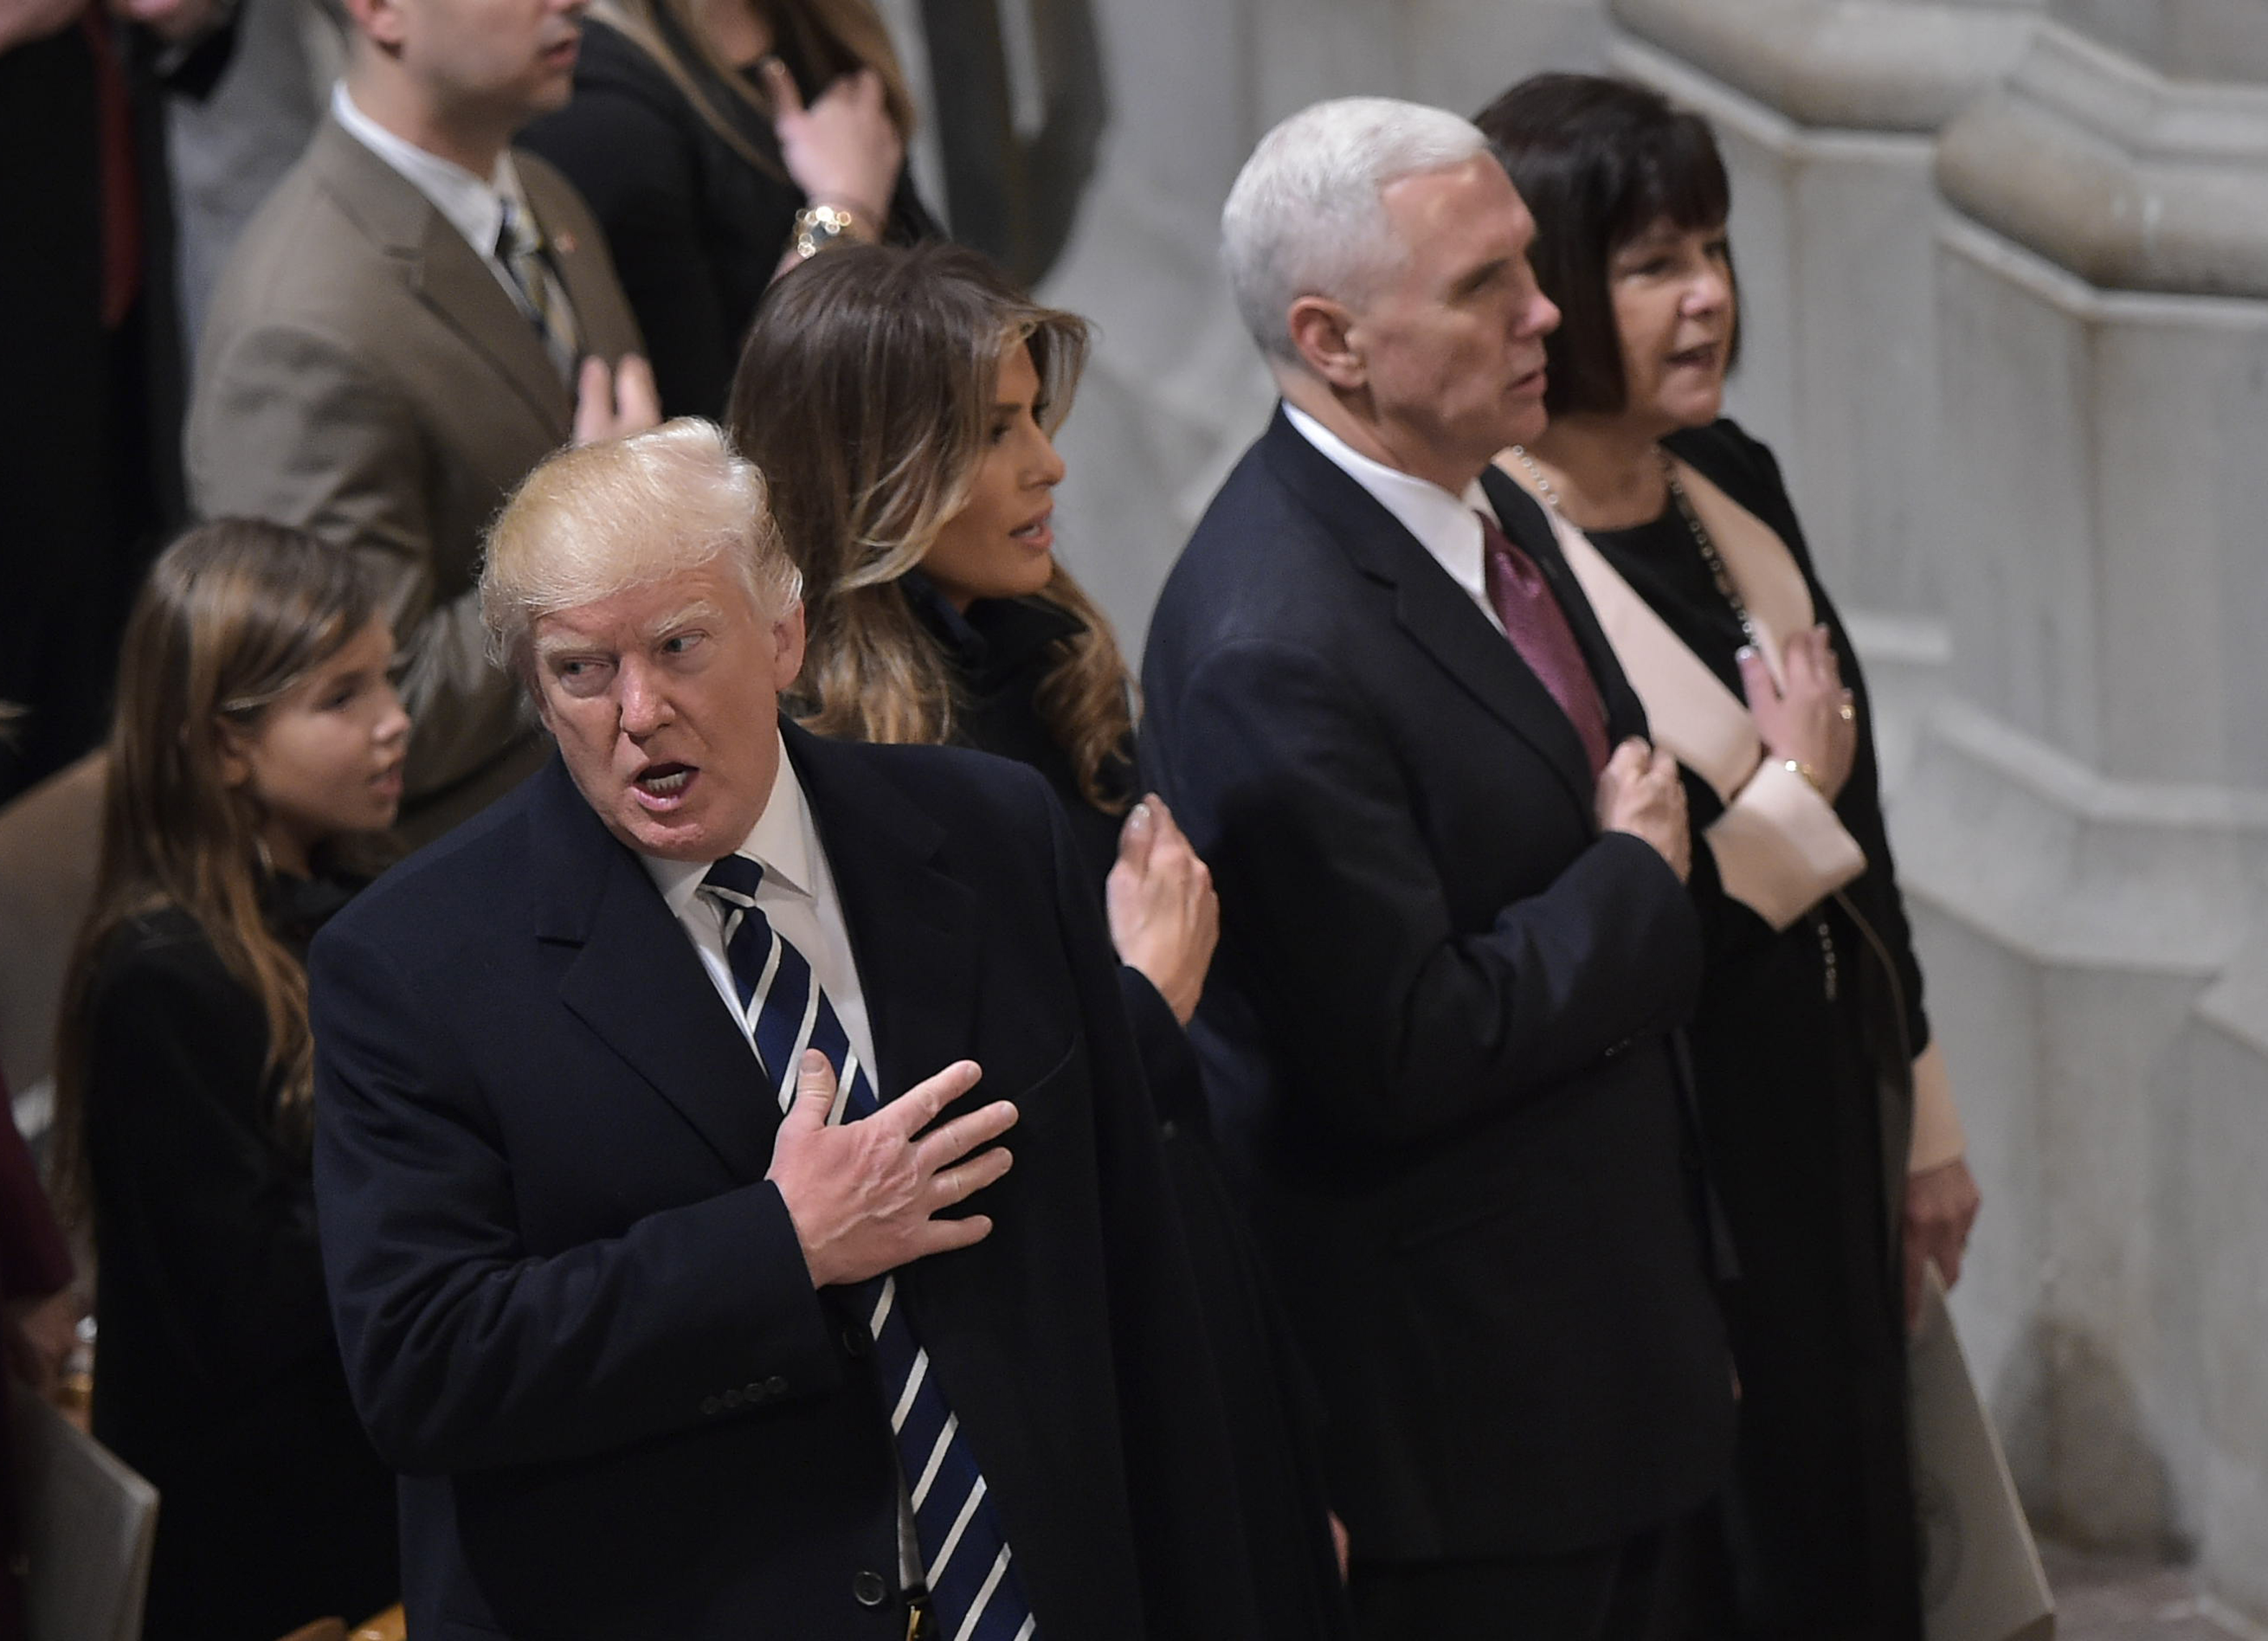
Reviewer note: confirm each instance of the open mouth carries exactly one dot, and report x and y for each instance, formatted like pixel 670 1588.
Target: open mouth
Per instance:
pixel 1039 533
pixel 1703 358
pixel 660 786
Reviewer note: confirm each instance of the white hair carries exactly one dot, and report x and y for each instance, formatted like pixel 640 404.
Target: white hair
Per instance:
pixel 594 520
pixel 1306 218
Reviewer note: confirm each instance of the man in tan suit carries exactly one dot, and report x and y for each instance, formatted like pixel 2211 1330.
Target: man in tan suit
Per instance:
pixel 417 316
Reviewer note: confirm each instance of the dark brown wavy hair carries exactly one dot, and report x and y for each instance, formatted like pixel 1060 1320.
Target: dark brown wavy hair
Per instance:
pixel 234 615
pixel 865 394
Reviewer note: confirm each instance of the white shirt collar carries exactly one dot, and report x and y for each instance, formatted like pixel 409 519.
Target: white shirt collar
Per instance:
pixel 783 843
pixel 473 206
pixel 1448 527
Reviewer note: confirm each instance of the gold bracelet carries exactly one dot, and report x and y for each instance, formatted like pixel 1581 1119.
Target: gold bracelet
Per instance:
pixel 819 227
pixel 1796 766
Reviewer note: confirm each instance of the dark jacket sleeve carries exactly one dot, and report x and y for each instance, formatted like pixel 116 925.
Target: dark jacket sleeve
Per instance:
pixel 1173 1432
pixel 463 1348
pixel 1292 788
pixel 181 1136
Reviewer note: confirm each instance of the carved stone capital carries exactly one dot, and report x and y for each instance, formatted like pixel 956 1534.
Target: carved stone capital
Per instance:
pixel 1872 65
pixel 2130 179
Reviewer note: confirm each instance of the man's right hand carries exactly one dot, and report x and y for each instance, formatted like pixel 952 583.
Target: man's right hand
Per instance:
pixel 1640 794
pixel 863 1196
pixel 614 403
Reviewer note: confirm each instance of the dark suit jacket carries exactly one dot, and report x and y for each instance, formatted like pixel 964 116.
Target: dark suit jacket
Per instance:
pixel 577 1316
pixel 365 377
pixel 1439 1031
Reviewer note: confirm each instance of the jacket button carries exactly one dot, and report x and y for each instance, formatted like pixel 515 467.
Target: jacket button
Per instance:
pixel 869 1590
pixel 776 1386
pixel 732 1398
pixel 754 1392
pixel 710 1405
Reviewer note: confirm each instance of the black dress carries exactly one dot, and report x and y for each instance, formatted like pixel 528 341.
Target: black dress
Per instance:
pixel 1804 1145
pixel 217 1375
pixel 696 232
pixel 1001 650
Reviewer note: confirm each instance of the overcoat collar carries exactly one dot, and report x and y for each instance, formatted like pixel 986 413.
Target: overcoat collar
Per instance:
pixel 444 272
pixel 637 983
pixel 1443 619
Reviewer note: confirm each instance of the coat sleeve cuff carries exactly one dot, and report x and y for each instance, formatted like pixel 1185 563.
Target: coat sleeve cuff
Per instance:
pixel 1938 1137
pixel 1780 848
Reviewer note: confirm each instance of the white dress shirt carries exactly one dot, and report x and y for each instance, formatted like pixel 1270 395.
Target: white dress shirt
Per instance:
pixel 473 206
pixel 797 896
pixel 1448 527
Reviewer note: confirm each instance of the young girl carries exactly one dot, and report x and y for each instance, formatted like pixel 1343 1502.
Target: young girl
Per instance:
pixel 256 728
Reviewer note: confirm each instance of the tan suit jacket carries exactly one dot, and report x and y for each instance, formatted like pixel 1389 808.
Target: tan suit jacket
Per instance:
pixel 364 376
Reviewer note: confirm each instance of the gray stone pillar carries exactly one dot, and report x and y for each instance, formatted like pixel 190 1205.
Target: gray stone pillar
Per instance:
pixel 2084 832
pixel 1828 111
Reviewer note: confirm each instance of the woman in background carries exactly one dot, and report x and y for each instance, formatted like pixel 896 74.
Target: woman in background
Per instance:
pixel 901 404
pixel 257 728
pixel 717 141
pixel 1827 1122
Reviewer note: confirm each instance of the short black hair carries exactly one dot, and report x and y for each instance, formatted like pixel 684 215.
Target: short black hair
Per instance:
pixel 1597 162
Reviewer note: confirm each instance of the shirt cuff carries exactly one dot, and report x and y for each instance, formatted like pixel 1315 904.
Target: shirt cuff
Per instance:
pixel 1780 848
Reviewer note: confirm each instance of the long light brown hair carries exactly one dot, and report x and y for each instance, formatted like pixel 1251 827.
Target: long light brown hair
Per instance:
pixel 828 38
pixel 865 394
pixel 232 616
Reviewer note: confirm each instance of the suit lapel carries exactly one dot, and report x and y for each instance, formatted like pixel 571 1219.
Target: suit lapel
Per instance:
pixel 636 981
pixel 1439 617
pixel 444 272
pixel 913 926
pixel 464 295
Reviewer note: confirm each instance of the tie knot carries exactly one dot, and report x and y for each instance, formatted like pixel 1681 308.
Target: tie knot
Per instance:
pixel 517 234
pixel 734 878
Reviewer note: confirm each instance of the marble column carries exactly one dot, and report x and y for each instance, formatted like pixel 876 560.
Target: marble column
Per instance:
pixel 2085 829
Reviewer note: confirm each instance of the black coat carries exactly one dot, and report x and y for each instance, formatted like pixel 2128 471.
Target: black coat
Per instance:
pixel 90 463
pixel 696 231
pixel 218 1377
pixel 541 1156
pixel 1002 650
pixel 1438 1033
pixel 1804 1086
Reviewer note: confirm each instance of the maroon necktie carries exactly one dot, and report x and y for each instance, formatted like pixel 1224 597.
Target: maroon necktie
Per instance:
pixel 1538 629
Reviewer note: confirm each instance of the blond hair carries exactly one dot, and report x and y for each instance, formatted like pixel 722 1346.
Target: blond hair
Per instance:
pixel 597 520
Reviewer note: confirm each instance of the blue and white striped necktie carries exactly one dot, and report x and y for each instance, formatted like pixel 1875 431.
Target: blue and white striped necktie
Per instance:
pixel 973 1590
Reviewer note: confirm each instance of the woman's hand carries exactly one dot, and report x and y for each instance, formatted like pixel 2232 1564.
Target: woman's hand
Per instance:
pixel 1811 719
pixel 1164 916
pixel 844 149
pixel 1941 1206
